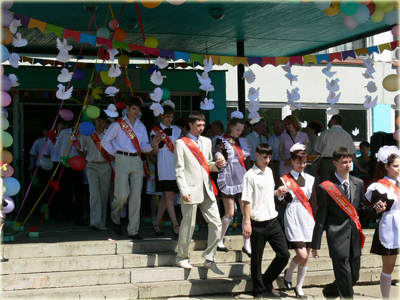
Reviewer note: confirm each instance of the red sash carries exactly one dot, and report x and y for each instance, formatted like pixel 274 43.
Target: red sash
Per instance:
pixel 390 186
pixel 344 204
pixel 165 138
pixel 292 184
pixel 236 147
pixel 131 135
pixel 200 158
pixel 96 140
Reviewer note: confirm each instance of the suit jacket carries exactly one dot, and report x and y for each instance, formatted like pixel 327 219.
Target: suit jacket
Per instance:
pixel 190 175
pixel 341 232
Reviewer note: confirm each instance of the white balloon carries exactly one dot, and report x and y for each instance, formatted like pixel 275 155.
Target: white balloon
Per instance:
pixel 4 123
pixel 362 13
pixel 322 5
pixel 6 17
pixel 397 99
pixel 10 205
pixel 7 4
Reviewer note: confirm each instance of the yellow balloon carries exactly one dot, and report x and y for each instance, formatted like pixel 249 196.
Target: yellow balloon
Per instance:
pixel 151 42
pixel 396 5
pixel 391 83
pixel 8 37
pixel 378 15
pixel 381 3
pixel 333 9
pixel 305 0
pixel 388 7
pixel 123 60
pixel 151 3
pixel 107 79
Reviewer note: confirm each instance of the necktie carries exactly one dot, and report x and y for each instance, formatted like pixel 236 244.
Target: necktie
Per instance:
pixel 346 190
pixel 398 184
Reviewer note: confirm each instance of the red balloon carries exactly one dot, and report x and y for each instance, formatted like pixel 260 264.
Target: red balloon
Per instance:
pixel 120 105
pixel 371 6
pixel 77 163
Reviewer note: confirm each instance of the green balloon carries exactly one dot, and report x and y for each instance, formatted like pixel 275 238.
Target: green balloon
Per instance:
pixel 166 94
pixel 348 8
pixel 92 111
pixel 6 139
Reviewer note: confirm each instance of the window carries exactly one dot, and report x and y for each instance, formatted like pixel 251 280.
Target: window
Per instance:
pixel 308 115
pixel 185 104
pixel 353 119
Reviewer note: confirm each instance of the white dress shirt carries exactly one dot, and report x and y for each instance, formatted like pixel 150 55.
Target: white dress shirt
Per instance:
pixel 63 144
pixel 274 141
pixel 253 139
pixel 37 148
pixel 332 138
pixel 258 189
pixel 92 152
pixel 50 150
pixel 116 139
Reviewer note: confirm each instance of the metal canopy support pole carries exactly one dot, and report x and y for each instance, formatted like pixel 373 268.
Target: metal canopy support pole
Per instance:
pixel 240 81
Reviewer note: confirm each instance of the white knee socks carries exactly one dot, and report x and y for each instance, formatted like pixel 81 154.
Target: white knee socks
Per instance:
pixel 385 283
pixel 289 272
pixel 225 224
pixel 301 274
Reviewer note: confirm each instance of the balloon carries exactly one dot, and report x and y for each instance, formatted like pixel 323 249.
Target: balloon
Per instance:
pixel 103 33
pixel 78 75
pixel 86 128
pixel 391 18
pixel 5 99
pixel 362 14
pixel 46 163
pixel 7 37
pixel 107 79
pixel 6 139
pixel 77 163
pixel 1 70
pixel 381 3
pixel 4 112
pixel 397 101
pixel 4 123
pixel 395 31
pixel 349 22
pixel 391 83
pixel 13 186
pixel 119 34
pixel 6 157
pixel 396 5
pixel 120 105
pixel 6 17
pixel 4 53
pixel 66 114
pixel 151 42
pixel 101 67
pixel 348 8
pixel 175 2
pixel 378 15
pixel 322 5
pixel 166 94
pixel 92 111
pixel 333 9
pixel 388 7
pixel 151 3
pixel 6 4
pixel 5 83
pixel 10 205
pixel 113 24
pixel 123 60
pixel 371 8
pixel 366 2
pixel 396 135
pixel 7 173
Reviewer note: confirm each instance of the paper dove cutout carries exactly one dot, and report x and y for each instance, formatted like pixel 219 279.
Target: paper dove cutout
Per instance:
pixel 112 53
pixel 368 103
pixel 65 76
pixel 157 109
pixel 96 93
pixel 368 63
pixel 14 60
pixel 293 95
pixel 291 77
pixel 18 41
pixel 14 80
pixel 203 78
pixel 294 106
pixel 62 93
pixel 371 87
pixel 208 65
pixel 333 98
pixel 207 104
pixel 207 87
pixel 249 76
pixel 327 71
pixel 63 45
pixel 156 95
pixel 332 85
pixel 355 132
pixel 111 91
pixel 255 117
pixel 114 71
pixel 14 25
pixel 253 93
pixel 254 106
pixel 287 68
pixel 157 78
pixel 332 111
pixel 161 63
pixel 111 111
pixel 63 56
pixel 303 124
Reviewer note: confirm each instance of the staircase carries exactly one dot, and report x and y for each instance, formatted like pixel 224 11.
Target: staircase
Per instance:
pixel 144 269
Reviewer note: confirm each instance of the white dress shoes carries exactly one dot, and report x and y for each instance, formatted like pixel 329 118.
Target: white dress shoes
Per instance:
pixel 211 265
pixel 184 264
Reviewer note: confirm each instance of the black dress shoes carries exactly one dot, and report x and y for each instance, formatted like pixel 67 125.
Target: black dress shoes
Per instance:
pixel 4 259
pixel 288 284
pixel 135 237
pixel 247 252
pixel 222 249
pixel 117 228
